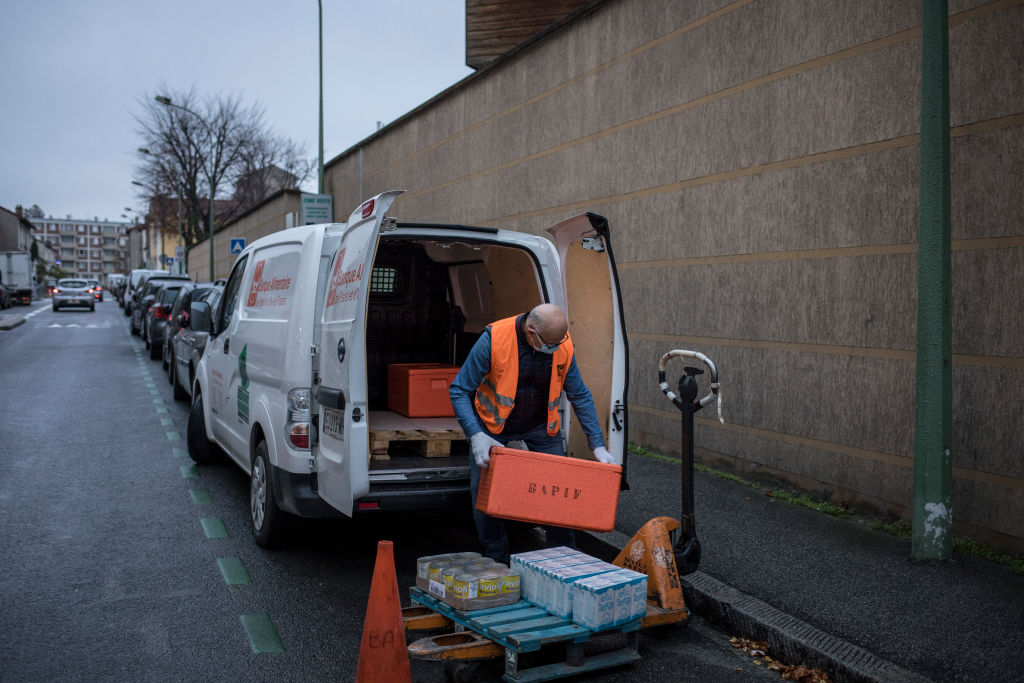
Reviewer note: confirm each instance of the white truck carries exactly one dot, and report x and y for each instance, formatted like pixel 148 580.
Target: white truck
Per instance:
pixel 16 275
pixel 293 382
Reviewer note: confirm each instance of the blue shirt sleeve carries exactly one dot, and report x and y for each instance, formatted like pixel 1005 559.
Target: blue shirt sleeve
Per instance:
pixel 477 364
pixel 583 405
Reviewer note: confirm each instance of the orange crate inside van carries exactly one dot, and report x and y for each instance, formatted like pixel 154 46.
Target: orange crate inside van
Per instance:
pixel 421 389
pixel 550 489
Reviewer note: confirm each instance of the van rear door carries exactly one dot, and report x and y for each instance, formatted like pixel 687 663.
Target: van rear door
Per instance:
pixel 339 389
pixel 594 308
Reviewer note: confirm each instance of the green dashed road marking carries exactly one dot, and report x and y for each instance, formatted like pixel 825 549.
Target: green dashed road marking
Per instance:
pixel 189 471
pixel 262 634
pixel 213 527
pixel 151 385
pixel 161 411
pixel 158 401
pixel 233 571
pixel 201 496
pixel 173 436
pixel 167 422
pixel 180 452
pixel 154 392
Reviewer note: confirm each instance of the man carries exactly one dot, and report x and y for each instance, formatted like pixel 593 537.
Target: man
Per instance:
pixel 509 389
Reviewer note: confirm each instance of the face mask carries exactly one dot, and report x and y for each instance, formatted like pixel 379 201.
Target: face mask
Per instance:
pixel 544 347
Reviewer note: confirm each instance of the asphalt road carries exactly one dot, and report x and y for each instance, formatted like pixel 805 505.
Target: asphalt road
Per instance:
pixel 108 571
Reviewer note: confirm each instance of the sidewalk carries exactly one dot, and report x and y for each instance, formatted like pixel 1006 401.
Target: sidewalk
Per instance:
pixel 832 593
pixel 10 320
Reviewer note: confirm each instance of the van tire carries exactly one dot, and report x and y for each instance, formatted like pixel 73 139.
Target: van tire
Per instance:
pixel 267 519
pixel 200 449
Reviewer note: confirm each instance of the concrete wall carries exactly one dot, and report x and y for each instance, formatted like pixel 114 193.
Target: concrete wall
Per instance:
pixel 758 163
pixel 278 212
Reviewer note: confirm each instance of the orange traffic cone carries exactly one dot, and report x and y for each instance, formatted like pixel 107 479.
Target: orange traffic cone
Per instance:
pixel 382 652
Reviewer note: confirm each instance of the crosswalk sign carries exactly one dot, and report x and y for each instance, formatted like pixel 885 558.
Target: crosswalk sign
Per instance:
pixel 237 245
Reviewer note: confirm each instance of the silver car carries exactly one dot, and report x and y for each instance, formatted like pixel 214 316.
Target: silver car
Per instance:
pixel 188 345
pixel 71 292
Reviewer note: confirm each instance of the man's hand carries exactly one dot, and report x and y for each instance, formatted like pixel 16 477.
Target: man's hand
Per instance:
pixel 601 454
pixel 481 445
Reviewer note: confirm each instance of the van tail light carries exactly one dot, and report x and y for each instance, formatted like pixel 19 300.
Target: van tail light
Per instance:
pixel 297 428
pixel 299 436
pixel 161 313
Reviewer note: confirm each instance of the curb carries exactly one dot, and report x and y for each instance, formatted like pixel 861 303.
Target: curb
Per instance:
pixel 8 322
pixel 789 638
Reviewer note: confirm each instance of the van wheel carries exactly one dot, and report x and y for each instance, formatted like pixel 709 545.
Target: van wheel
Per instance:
pixel 200 449
pixel 267 518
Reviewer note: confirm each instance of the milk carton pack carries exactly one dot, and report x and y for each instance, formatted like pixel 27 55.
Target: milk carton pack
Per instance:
pixel 541 571
pixel 561 584
pixel 525 564
pixel 605 600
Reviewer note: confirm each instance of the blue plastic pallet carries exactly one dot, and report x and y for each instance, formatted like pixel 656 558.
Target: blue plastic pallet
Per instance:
pixel 525 627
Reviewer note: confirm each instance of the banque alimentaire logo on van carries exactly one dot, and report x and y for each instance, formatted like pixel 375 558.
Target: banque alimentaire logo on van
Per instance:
pixel 342 282
pixel 260 287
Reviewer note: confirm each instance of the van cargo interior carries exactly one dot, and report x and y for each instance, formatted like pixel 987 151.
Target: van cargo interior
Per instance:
pixel 430 299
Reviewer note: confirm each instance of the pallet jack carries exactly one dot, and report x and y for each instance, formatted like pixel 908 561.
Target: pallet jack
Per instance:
pixel 473 637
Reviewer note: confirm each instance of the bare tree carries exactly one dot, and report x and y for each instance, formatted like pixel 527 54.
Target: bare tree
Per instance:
pixel 187 143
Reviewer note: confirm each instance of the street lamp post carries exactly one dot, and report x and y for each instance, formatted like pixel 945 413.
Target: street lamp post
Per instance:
pixel 320 9
pixel 181 238
pixel 209 173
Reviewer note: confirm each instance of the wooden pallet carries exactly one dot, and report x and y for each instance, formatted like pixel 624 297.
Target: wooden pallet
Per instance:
pixel 525 627
pixel 430 437
pixel 428 443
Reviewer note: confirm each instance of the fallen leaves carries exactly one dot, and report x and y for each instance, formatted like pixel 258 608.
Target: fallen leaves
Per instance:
pixel 789 672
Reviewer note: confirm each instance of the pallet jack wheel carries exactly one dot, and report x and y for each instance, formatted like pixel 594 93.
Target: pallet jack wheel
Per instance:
pixel 460 672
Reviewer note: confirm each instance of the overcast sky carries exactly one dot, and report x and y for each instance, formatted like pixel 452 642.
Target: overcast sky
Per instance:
pixel 73 74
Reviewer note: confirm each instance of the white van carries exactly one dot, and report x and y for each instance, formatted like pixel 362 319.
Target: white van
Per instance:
pixel 133 281
pixel 293 382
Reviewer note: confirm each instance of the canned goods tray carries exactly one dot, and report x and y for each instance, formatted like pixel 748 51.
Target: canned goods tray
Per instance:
pixel 524 627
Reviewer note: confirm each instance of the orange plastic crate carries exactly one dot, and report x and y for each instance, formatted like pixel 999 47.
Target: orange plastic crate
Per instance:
pixel 550 489
pixel 421 389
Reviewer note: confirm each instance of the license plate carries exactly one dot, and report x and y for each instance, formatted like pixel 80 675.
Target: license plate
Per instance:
pixel 72 301
pixel 334 423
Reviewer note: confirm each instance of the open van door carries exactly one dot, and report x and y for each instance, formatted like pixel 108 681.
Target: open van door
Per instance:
pixel 594 309
pixel 339 389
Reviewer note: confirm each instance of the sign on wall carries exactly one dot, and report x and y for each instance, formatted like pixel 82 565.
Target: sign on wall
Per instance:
pixel 237 245
pixel 317 208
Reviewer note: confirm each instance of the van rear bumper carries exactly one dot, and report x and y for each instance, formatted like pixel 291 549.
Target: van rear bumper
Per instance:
pixel 295 494
pixel 410 497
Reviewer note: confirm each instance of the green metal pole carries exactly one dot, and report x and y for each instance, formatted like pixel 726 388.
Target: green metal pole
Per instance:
pixel 933 463
pixel 320 8
pixel 213 278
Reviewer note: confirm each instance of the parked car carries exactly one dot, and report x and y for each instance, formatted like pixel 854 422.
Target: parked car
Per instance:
pixel 73 293
pixel 157 315
pixel 140 303
pixel 181 305
pixel 295 375
pixel 132 283
pixel 188 344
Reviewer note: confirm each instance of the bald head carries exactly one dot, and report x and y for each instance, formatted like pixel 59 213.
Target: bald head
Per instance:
pixel 549 321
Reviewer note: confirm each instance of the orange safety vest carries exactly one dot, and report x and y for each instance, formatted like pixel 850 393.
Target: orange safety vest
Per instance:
pixel 495 397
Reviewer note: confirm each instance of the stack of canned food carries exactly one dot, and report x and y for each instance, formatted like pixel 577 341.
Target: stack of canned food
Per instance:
pixel 467 581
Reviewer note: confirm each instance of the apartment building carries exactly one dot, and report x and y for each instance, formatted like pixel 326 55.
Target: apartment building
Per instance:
pixel 85 248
